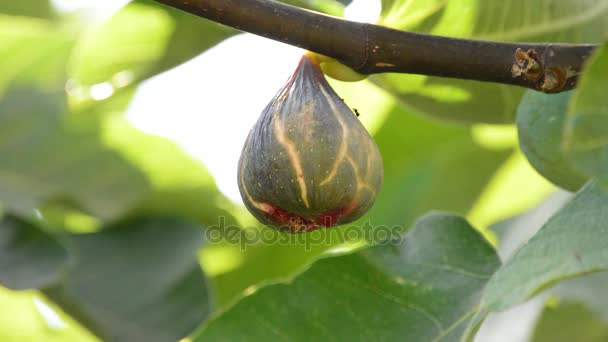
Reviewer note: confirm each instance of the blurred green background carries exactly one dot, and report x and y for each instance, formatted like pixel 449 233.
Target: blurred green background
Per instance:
pixel 118 111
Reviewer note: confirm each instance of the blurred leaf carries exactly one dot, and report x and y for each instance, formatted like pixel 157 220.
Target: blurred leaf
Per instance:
pixel 569 21
pixel 429 166
pixel 113 170
pixel 333 7
pixel 130 41
pixel 33 51
pixel 139 41
pixel 570 321
pixel 502 197
pixel 589 290
pixel 27 8
pixel 136 281
pixel 404 14
pixel 574 310
pixel 29 257
pixel 454 100
pixel 45 157
pixel 586 133
pixel 41 161
pixel 571 243
pixel 145 38
pixel 179 185
pixel 21 320
pixel 191 35
pixel 425 287
pixel 515 231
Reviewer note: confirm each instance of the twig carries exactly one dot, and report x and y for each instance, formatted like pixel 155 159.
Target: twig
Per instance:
pixel 371 49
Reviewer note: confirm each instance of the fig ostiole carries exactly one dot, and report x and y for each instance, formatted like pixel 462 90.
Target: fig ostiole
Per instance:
pixel 308 162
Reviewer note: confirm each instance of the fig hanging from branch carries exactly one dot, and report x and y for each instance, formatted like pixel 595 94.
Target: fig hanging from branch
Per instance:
pixel 308 162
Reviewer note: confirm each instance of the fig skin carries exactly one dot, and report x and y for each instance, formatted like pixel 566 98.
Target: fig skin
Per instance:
pixel 308 162
pixel 540 121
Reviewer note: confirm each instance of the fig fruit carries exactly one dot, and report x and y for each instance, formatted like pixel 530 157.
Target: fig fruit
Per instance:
pixel 308 162
pixel 540 122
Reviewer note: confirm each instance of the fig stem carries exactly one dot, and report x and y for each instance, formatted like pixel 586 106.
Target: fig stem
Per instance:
pixel 371 49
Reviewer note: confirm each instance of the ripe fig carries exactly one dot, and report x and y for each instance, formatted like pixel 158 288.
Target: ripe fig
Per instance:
pixel 540 121
pixel 308 162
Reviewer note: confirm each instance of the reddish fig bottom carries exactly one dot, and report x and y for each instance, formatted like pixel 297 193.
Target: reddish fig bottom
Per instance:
pixel 292 223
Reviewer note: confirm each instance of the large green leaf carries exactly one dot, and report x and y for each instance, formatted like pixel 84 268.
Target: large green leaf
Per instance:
pixel 573 242
pixel 136 281
pixel 586 132
pixel 29 257
pixel 425 287
pixel 519 20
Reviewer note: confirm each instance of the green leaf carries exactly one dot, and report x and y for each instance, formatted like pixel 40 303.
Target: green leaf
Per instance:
pixel 42 164
pixel 179 185
pixel 588 290
pixel 436 167
pixel 333 7
pixel 28 8
pixel 114 170
pixel 29 257
pixel 21 320
pixel 33 51
pixel 136 281
pixel 513 232
pixel 41 161
pixel 570 321
pixel 576 311
pixel 139 41
pixel 540 122
pixel 146 38
pixel 569 21
pixel 573 242
pixel 404 14
pixel 131 41
pixel 425 287
pixel 586 132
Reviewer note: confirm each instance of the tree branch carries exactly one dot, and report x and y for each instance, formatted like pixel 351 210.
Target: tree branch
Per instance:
pixel 371 49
